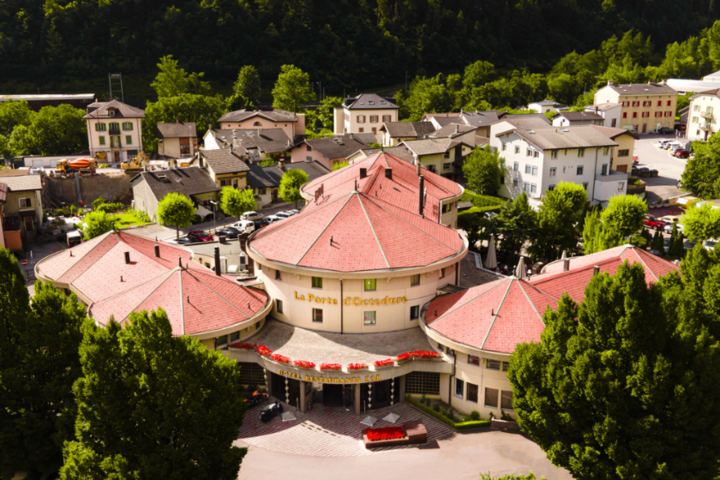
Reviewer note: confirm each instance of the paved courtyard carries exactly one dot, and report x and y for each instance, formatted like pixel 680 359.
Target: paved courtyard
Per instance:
pixel 669 168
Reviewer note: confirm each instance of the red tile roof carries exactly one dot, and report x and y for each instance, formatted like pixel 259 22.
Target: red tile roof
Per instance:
pixel 497 316
pixel 98 271
pixel 401 191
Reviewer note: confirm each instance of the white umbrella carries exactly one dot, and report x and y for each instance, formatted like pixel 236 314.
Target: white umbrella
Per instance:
pixel 491 258
pixel 520 270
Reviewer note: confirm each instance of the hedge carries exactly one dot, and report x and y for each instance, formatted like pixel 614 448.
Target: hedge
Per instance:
pixel 477 212
pixel 446 420
pixel 481 200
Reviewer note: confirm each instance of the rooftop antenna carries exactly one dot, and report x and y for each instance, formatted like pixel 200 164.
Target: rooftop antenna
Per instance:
pixel 116 79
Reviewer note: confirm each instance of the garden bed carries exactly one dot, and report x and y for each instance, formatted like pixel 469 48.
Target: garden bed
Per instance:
pixel 413 432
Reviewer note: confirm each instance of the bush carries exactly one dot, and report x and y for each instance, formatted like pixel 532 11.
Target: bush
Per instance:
pixel 109 207
pixel 196 219
pixel 436 407
pixel 98 201
pixel 481 200
pixel 474 415
pixel 446 420
pixel 633 181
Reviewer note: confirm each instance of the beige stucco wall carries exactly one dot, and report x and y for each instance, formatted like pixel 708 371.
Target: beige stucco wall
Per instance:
pixel 171 147
pixel 642 124
pixel 352 125
pixel 625 142
pixel 291 129
pixel 94 137
pixel 302 154
pixel 12 205
pixel 703 113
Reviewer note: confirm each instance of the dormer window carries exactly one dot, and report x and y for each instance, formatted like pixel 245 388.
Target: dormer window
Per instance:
pixel 111 112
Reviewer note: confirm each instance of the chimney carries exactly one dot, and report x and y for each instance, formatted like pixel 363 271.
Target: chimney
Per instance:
pixel 157 251
pixel 566 265
pixel 282 165
pixel 217 261
pixel 127 258
pixel 596 270
pixel 351 136
pixel 457 128
pixel 259 132
pixel 388 173
pixel 179 261
pixel 610 82
pixel 363 173
pixel 417 167
pixel 421 189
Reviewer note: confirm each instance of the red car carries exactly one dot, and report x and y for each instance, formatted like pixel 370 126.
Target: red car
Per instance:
pixel 652 222
pixel 200 236
pixel 681 154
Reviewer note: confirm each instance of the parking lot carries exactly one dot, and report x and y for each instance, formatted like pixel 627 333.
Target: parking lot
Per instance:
pixel 670 169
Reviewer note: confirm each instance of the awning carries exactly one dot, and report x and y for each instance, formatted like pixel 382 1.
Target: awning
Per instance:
pixel 202 211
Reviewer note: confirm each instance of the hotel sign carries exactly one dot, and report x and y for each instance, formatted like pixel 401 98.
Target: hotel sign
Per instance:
pixel 357 301
pixel 319 379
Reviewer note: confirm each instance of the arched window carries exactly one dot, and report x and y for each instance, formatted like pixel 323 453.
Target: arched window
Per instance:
pixel 257 124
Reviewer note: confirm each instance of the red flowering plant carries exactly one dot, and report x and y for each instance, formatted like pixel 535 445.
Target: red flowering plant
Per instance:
pixel 244 345
pixel 387 433
pixel 330 366
pixel 385 363
pixel 353 367
pixel 303 364
pixel 280 358
pixel 420 355
pixel 264 351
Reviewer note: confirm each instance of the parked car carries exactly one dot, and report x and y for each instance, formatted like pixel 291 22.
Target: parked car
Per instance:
pixel 671 144
pixel 182 241
pixel 681 153
pixel 270 411
pixel 665 130
pixel 200 236
pixel 260 223
pixel 273 218
pixel 74 238
pixel 710 244
pixel 283 215
pixel 663 141
pixel 229 232
pixel 252 216
pixel 292 212
pixel 245 226
pixel 653 222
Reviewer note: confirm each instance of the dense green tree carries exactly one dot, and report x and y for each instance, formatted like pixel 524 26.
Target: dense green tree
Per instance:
pixel 702 173
pixel 322 117
pixel 246 91
pixel 564 88
pixel 701 223
pixel 97 223
pixel 677 247
pixel 290 184
pixel 5 150
pixel 599 235
pixel 559 221
pixel 339 165
pixel 175 209
pixel 624 385
pixel 173 80
pixel 625 213
pixel 235 202
pixel 39 362
pixel 516 224
pixel 658 243
pixel 292 89
pixel 12 114
pixel 483 170
pixel 151 405
pixel 52 131
pixel 426 95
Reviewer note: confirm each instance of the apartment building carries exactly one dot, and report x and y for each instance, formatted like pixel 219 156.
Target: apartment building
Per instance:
pixel 701 122
pixel 537 156
pixel 114 131
pixel 365 113
pixel 645 107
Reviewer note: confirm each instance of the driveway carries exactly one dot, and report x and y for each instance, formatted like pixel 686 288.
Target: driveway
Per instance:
pixel 670 169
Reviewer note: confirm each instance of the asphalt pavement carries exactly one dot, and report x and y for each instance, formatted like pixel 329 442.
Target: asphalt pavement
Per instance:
pixel 670 169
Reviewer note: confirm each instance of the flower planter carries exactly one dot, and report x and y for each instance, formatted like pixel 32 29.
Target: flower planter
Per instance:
pixel 418 355
pixel 415 432
pixel 264 351
pixel 357 367
pixel 330 367
pixel 276 357
pixel 304 364
pixel 390 362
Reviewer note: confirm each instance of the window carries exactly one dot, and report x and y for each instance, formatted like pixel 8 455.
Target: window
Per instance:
pixel 659 103
pixel 25 202
pixel 442 273
pixel 535 171
pixel 516 166
pixel 506 400
pixel 373 119
pixel 414 312
pixel 585 185
pixel 624 115
pixel 491 397
pixel 369 318
pixel 100 127
pixel 553 171
pixel 526 187
pixel 472 393
pixel 234 337
pixel 645 114
pixel 606 150
pixel 386 118
pixel 317 282
pixel 581 152
pixel 621 186
pixel 696 108
pixel 533 188
pixel 551 187
pixel 370 284
pixel 419 383
pixel 361 129
pixel 493 364
pixel 317 315
pixel 441 347
pixel 114 141
pixel 553 154
pixel 517 149
pixel 459 388
pixel 634 114
pixel 309 148
pixel 221 342
pixel 604 169
pixel 528 169
pixel 669 114
pixel 224 183
pixel 515 183
pixel 101 139
pixel 127 126
pixel 529 152
pixel 669 102
pixel 614 122
pixel 504 147
pixel 278 275
pixel 580 169
pixel 695 120
pixel 415 280
pixel 623 153
pixel 261 190
pixel 635 104
pixel 279 306
pixel 128 139
pixel 473 360
pixel 361 119
pixel 536 154
pixel 446 166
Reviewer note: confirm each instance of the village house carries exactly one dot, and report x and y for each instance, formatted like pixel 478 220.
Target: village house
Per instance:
pixel 610 112
pixel 544 106
pixel 396 132
pixel 645 106
pixel 22 209
pixel 479 119
pixel 254 145
pixel 330 151
pixel 177 140
pixel 439 154
pixel 701 121
pixel 621 158
pixel 265 181
pixel 224 167
pixel 566 119
pixel 114 131
pixel 293 124
pixel 365 113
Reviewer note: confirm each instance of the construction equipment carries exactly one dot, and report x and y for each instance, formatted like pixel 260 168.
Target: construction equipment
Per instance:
pixel 136 163
pixel 69 167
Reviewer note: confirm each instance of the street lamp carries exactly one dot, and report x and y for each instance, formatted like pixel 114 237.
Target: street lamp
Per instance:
pixel 213 203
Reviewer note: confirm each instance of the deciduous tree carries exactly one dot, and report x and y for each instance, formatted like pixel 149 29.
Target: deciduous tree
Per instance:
pixel 599 235
pixel 97 223
pixel 151 405
pixel 292 89
pixel 559 221
pixel 173 80
pixel 246 91
pixel 235 202
pixel 516 223
pixel 290 184
pixel 701 223
pixel 14 113
pixel 483 170
pixel 625 213
pixel 177 210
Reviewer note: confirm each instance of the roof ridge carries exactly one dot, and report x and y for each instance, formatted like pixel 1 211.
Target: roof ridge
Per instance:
pixel 552 276
pixel 107 235
pixel 647 267
pixel 529 300
pixel 373 230
pixel 470 300
pixel 169 275
pixel 497 314
pixel 317 237
pixel 216 293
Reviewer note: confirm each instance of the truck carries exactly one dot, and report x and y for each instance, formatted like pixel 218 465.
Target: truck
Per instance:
pixel 84 164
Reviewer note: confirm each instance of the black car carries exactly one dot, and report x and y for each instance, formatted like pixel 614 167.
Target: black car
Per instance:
pixel 665 130
pixel 229 232
pixel 263 222
pixel 270 411
pixel 184 241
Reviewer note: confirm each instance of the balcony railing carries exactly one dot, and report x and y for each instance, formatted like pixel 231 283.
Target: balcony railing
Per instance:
pixel 706 114
pixel 706 127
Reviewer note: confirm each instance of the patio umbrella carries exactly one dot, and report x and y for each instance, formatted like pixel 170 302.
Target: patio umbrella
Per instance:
pixel 491 258
pixel 520 270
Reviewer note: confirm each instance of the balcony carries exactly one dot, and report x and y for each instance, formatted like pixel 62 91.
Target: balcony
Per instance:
pixel 706 127
pixel 707 115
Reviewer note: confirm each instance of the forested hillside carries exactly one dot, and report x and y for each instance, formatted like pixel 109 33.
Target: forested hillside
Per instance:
pixel 63 45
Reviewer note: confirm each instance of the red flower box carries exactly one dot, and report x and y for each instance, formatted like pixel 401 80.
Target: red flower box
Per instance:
pixel 264 351
pixel 280 358
pixel 353 367
pixel 418 355
pixel 330 366
pixel 388 362
pixel 244 346
pixel 304 364
pixel 387 433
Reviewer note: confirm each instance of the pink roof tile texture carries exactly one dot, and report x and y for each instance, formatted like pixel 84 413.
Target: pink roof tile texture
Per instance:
pixel 497 316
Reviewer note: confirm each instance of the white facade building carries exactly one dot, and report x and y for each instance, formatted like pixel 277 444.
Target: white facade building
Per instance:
pixel 114 131
pixel 702 116
pixel 611 113
pixel 365 113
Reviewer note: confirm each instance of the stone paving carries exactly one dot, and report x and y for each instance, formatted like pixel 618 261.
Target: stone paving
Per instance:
pixel 330 431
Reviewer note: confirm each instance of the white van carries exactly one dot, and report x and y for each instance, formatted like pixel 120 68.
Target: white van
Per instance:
pixel 245 226
pixel 74 238
pixel 252 216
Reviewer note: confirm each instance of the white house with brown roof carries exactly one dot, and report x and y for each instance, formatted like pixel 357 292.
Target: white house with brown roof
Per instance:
pixel 567 119
pixel 702 115
pixel 114 131
pixel 645 106
pixel 177 140
pixel 293 124
pixel 610 112
pixel 439 154
pixel 329 151
pixel 365 113
pixel 22 210
pixel 396 132
pixel 480 119
pixel 251 144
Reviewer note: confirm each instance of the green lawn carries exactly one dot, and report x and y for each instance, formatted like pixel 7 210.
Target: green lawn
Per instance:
pixel 128 219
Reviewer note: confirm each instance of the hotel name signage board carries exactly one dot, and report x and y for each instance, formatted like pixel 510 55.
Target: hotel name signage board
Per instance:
pixel 357 301
pixel 319 379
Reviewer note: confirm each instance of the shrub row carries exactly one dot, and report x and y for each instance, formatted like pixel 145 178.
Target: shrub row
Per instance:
pixel 446 420
pixel 481 200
